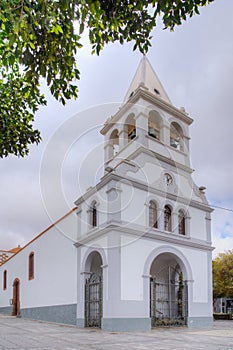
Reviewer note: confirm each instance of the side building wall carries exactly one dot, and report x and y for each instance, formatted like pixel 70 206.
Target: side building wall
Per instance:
pixel 52 294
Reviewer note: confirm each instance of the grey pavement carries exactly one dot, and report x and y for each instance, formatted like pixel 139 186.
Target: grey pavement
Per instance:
pixel 22 334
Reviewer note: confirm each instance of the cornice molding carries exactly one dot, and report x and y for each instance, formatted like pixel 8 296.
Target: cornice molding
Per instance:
pixel 162 158
pixel 151 98
pixel 151 234
pixel 167 107
pixel 142 186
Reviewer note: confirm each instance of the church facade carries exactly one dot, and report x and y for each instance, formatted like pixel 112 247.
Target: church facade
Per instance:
pixel 142 254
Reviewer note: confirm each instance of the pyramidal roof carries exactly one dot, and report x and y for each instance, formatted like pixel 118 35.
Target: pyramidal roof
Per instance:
pixel 145 77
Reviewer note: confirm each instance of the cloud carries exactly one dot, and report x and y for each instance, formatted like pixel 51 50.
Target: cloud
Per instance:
pixel 195 64
pixel 222 226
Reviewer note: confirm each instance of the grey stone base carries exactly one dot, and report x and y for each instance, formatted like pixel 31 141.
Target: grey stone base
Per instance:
pixel 56 313
pixel 200 322
pixel 126 324
pixel 80 322
pixel 6 310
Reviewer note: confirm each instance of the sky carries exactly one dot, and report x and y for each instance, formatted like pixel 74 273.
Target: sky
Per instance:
pixel 194 64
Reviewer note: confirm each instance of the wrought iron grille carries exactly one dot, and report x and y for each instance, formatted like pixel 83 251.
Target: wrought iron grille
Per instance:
pixel 93 301
pixel 169 299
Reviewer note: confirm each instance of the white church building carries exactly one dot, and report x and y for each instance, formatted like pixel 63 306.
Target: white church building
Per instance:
pixel 142 253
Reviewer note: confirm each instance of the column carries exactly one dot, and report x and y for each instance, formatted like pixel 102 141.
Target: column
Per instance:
pixel 114 202
pixel 142 128
pixel 160 213
pixel 123 138
pixel 108 151
pixel 175 223
pixel 165 134
pixel 208 227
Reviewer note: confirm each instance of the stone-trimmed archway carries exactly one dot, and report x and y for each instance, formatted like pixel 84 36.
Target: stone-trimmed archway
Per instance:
pixel 181 262
pixel 94 260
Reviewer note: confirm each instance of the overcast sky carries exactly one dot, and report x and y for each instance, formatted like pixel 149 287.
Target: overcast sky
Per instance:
pixel 194 64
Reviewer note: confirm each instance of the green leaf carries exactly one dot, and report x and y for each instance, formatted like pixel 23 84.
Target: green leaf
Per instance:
pixel 31 44
pixel 81 28
pixel 38 39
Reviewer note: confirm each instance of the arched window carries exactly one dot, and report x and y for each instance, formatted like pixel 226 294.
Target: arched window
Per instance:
pixel 154 125
pixel 131 127
pixel 5 279
pixel 181 218
pixel 176 136
pixel 93 214
pixel 153 216
pixel 114 139
pixel 167 218
pixel 31 266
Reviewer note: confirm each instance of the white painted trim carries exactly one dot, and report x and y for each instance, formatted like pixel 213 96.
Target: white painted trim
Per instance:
pixel 183 262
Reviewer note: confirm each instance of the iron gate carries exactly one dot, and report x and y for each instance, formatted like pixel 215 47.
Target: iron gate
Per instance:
pixel 169 299
pixel 93 301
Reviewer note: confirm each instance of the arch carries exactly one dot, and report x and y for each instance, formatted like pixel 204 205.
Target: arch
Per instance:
pixel 153 214
pixel 167 218
pixel 86 266
pixel 176 136
pixel 181 259
pixel 161 261
pixel 4 279
pixel 168 291
pixel 130 125
pixel 31 266
pixel 94 262
pixel 114 141
pixel 93 289
pixel 154 124
pixel 153 199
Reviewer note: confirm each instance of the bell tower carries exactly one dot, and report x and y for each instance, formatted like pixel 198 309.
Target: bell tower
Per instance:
pixel 146 218
pixel 147 120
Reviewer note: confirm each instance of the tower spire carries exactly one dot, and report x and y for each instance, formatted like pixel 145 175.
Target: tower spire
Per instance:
pixel 145 77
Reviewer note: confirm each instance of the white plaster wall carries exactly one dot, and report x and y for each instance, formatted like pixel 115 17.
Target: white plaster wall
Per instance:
pixel 84 216
pixel 168 151
pixel 55 271
pixel 133 256
pixel 149 169
pixel 68 226
pixel 94 245
pixel 83 219
pixel 198 224
pixel 135 212
pixel 124 153
pixel 134 285
pixel 133 205
pixel 199 263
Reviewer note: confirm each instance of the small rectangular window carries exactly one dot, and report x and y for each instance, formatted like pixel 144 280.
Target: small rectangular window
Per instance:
pixel 31 266
pixel 5 280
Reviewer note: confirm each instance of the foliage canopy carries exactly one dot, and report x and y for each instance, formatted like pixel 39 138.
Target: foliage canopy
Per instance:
pixel 223 275
pixel 38 39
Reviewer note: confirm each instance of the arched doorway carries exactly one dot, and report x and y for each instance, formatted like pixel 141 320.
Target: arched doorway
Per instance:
pixel 168 292
pixel 93 291
pixel 16 298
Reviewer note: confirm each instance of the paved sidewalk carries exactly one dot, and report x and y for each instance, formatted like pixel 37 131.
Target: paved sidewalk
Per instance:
pixel 21 334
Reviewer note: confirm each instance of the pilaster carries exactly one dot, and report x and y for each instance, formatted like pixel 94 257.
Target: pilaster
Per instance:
pixel 114 202
pixel 142 128
pixel 123 138
pixel 165 134
pixel 175 223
